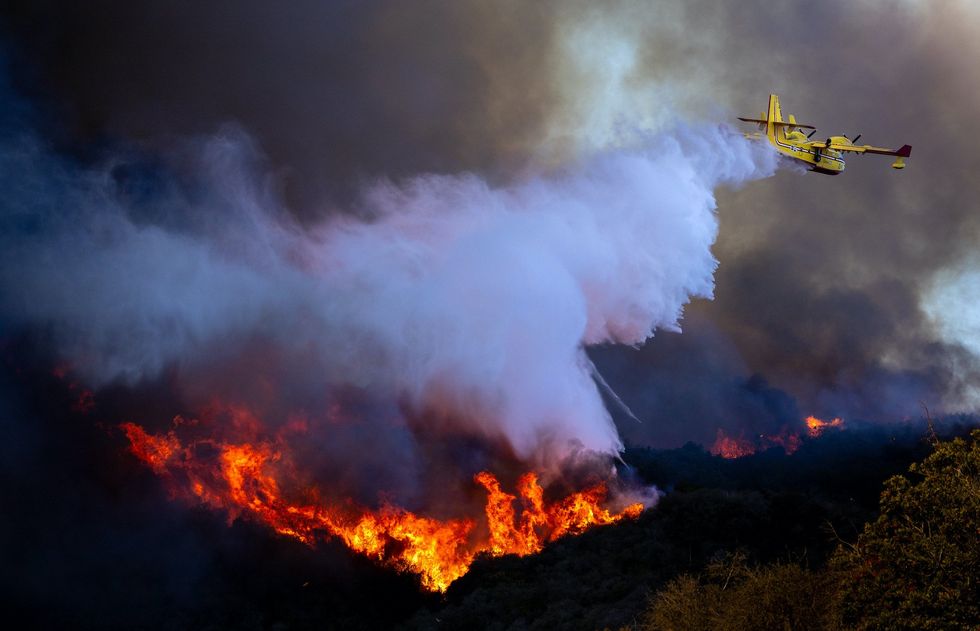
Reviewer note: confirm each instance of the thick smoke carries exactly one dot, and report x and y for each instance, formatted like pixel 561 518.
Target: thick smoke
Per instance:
pixel 826 285
pixel 465 304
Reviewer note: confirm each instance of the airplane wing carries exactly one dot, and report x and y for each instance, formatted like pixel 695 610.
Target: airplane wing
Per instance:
pixel 800 125
pixel 904 152
pixel 776 123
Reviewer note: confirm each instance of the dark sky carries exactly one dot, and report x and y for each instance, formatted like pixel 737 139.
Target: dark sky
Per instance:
pixel 824 283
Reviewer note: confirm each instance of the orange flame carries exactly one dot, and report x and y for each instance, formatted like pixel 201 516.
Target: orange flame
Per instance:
pixel 815 427
pixel 788 440
pixel 540 523
pixel 730 447
pixel 245 478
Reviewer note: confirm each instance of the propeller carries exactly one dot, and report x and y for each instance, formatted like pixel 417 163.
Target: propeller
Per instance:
pixel 819 152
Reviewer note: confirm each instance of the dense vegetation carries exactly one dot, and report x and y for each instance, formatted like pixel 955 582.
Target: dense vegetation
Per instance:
pixel 744 544
pixel 915 567
pixel 732 595
pixel 918 565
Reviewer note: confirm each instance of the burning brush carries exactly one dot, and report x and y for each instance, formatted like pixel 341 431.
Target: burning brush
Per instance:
pixel 258 478
pixel 731 447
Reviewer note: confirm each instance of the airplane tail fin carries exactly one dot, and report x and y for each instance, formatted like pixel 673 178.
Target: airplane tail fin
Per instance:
pixel 775 115
pixel 772 122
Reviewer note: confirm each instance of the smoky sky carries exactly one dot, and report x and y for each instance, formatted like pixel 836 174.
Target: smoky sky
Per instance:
pixel 818 294
pixel 334 92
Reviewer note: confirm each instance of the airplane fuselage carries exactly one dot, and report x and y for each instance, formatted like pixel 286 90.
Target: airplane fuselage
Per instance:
pixel 817 159
pixel 822 160
pixel 822 156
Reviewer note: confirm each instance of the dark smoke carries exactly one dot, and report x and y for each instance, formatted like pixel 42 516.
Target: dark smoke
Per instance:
pixel 335 92
pixel 820 280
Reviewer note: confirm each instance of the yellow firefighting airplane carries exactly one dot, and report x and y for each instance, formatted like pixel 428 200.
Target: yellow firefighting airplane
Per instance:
pixel 820 156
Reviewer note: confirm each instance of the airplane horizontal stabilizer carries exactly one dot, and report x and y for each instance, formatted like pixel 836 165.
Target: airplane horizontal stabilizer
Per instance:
pixel 776 123
pixel 800 125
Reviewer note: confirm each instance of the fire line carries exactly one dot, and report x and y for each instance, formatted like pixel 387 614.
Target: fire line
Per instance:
pixel 245 478
pixel 731 447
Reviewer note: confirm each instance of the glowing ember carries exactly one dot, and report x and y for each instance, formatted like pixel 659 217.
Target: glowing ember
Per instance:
pixel 815 427
pixel 84 398
pixel 246 478
pixel 789 441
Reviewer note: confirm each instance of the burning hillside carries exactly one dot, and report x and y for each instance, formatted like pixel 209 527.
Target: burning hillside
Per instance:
pixel 256 477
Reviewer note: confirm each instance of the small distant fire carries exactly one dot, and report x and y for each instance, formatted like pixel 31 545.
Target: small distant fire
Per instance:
pixel 815 427
pixel 731 447
pixel 257 478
